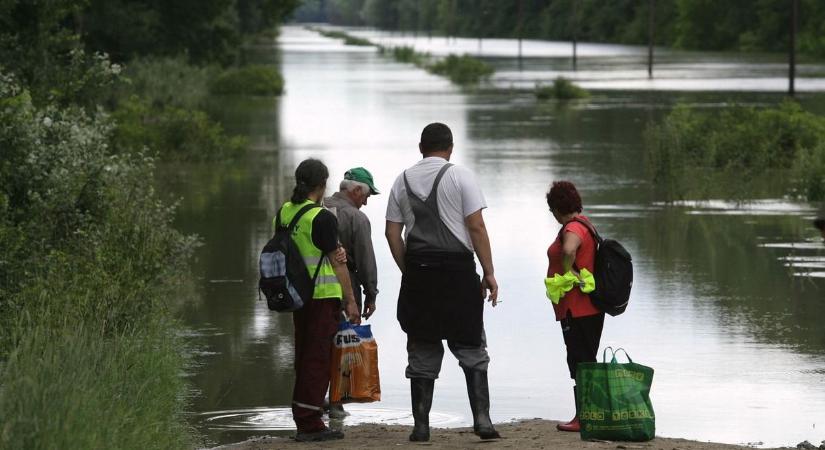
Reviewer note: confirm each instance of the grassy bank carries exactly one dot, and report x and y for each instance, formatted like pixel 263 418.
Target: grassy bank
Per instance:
pixel 463 70
pixel 89 269
pixel 738 153
pixel 460 69
pixel 347 38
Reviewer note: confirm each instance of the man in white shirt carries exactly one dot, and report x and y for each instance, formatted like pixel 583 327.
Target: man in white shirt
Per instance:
pixel 437 206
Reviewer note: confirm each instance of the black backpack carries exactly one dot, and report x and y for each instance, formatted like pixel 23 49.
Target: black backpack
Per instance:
pixel 285 281
pixel 613 273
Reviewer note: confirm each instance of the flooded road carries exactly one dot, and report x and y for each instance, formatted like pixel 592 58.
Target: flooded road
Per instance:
pixel 727 305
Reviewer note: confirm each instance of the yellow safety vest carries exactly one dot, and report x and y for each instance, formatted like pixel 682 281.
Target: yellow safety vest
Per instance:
pixel 326 285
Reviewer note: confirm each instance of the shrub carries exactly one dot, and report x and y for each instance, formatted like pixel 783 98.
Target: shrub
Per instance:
pixel 249 80
pixel 167 81
pixel 407 54
pixel 173 133
pixel 738 152
pixel 462 69
pixel 89 265
pixel 562 89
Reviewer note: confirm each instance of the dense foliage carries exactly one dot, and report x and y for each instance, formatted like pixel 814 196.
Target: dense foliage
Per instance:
pixel 248 80
pixel 738 153
pixel 692 24
pixel 561 89
pixel 90 264
pixel 462 69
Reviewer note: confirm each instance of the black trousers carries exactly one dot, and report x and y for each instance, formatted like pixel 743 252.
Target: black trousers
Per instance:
pixel 581 337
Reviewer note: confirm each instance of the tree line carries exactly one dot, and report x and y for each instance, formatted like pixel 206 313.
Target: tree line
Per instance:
pixel 740 25
pixel 37 37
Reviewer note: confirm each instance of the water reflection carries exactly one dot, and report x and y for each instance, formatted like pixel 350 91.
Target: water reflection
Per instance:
pixel 735 338
pixel 280 418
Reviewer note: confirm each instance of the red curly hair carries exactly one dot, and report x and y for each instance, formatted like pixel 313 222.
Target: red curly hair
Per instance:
pixel 564 198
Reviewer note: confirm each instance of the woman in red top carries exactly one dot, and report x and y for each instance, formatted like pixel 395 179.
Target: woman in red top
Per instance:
pixel 573 249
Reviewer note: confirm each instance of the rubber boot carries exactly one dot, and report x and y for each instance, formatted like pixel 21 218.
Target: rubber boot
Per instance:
pixel 421 392
pixel 574 424
pixel 479 393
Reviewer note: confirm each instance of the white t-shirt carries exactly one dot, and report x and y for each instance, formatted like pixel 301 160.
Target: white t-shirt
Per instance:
pixel 458 196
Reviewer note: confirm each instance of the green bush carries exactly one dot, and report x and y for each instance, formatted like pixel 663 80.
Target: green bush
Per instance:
pixel 90 264
pixel 173 133
pixel 562 89
pixel 249 80
pixel 407 54
pixel 167 81
pixel 462 69
pixel 738 153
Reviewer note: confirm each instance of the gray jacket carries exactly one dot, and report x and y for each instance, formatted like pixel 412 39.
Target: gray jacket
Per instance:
pixel 355 234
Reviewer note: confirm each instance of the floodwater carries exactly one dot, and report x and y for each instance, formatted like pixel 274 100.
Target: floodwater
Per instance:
pixel 727 305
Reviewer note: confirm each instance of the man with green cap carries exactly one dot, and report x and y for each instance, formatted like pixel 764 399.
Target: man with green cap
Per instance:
pixel 355 234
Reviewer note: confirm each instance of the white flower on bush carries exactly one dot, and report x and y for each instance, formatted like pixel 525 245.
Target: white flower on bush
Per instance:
pixel 47 122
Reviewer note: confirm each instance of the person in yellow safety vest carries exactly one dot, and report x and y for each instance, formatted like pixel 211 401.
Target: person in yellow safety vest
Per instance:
pixel 316 236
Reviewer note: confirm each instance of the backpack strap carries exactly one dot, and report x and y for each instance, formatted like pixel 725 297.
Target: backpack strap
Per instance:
pixel 589 227
pixel 295 219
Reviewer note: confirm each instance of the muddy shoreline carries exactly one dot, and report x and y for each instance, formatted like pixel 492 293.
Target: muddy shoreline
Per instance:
pixel 526 434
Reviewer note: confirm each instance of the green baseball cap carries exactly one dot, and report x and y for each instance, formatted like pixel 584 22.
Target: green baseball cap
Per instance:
pixel 361 175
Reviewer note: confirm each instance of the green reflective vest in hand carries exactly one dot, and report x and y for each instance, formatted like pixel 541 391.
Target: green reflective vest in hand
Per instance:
pixel 558 285
pixel 326 285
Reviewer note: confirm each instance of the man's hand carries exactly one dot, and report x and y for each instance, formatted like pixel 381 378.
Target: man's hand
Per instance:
pixel 369 307
pixel 351 310
pixel 489 283
pixel 341 255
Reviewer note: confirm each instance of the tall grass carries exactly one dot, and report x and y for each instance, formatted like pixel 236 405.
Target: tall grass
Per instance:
pixel 562 89
pixel 462 69
pixel 248 80
pixel 161 106
pixel 738 153
pixel 70 389
pixel 89 268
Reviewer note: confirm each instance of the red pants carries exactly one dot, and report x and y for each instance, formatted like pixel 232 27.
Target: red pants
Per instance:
pixel 315 327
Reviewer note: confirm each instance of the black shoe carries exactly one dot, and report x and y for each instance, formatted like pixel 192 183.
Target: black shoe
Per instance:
pixel 479 393
pixel 326 434
pixel 421 392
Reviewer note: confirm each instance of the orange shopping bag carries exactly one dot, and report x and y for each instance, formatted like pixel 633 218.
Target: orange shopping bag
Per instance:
pixel 354 376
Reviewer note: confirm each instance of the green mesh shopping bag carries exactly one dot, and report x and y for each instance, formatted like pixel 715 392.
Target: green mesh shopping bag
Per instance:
pixel 614 400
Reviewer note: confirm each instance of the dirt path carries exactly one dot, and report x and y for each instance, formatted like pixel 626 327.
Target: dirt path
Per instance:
pixel 529 434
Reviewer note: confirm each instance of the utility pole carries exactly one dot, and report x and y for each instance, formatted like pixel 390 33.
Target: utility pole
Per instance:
pixel 651 26
pixel 792 48
pixel 575 29
pixel 520 29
